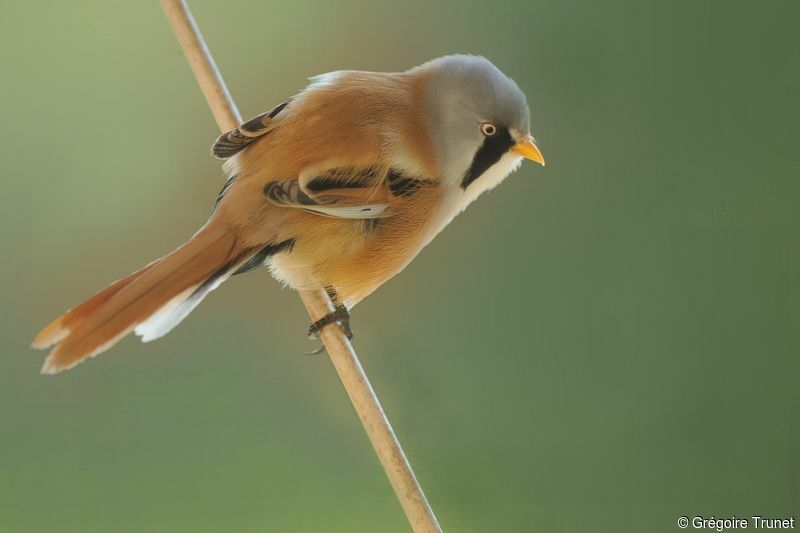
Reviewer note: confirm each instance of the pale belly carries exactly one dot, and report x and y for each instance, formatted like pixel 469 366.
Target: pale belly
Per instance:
pixel 353 257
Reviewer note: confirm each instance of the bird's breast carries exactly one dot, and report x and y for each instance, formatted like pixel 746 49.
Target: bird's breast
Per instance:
pixel 357 256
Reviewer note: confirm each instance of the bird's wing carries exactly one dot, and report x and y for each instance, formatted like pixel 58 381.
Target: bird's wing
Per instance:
pixel 347 192
pixel 342 192
pixel 232 142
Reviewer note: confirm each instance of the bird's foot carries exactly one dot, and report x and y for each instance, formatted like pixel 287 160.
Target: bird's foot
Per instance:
pixel 339 316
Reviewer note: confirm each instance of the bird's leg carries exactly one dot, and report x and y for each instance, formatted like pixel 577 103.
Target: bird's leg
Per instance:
pixel 341 312
pixel 339 315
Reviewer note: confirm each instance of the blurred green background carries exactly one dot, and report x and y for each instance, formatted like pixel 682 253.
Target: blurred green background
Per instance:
pixel 604 344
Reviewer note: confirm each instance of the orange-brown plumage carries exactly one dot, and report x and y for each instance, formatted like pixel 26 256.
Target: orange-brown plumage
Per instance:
pixel 115 311
pixel 339 188
pixel 354 261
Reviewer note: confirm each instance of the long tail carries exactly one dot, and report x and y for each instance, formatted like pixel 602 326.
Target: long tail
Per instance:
pixel 149 302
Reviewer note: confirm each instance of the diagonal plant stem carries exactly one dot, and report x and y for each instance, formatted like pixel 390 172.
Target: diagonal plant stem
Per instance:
pixel 344 359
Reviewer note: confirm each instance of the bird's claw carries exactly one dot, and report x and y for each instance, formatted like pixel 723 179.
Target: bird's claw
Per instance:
pixel 340 315
pixel 319 349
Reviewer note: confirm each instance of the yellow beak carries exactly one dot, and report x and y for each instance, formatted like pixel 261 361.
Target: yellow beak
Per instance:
pixel 527 149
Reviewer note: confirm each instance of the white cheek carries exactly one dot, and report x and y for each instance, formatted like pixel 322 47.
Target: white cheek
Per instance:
pixel 489 180
pixel 457 199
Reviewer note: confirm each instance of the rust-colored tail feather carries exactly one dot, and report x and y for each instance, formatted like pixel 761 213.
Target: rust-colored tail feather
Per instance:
pixel 163 291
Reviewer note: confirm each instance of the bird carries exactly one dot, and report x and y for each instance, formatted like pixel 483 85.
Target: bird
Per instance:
pixel 339 187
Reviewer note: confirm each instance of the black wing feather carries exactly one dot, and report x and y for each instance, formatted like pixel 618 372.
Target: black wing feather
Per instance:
pixel 232 142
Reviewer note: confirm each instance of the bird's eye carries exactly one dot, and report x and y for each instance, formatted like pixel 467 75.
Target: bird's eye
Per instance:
pixel 488 129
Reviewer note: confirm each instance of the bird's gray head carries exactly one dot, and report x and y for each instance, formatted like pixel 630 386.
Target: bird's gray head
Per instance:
pixel 479 122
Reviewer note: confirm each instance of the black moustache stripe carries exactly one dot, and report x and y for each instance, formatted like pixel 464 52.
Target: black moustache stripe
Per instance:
pixel 488 154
